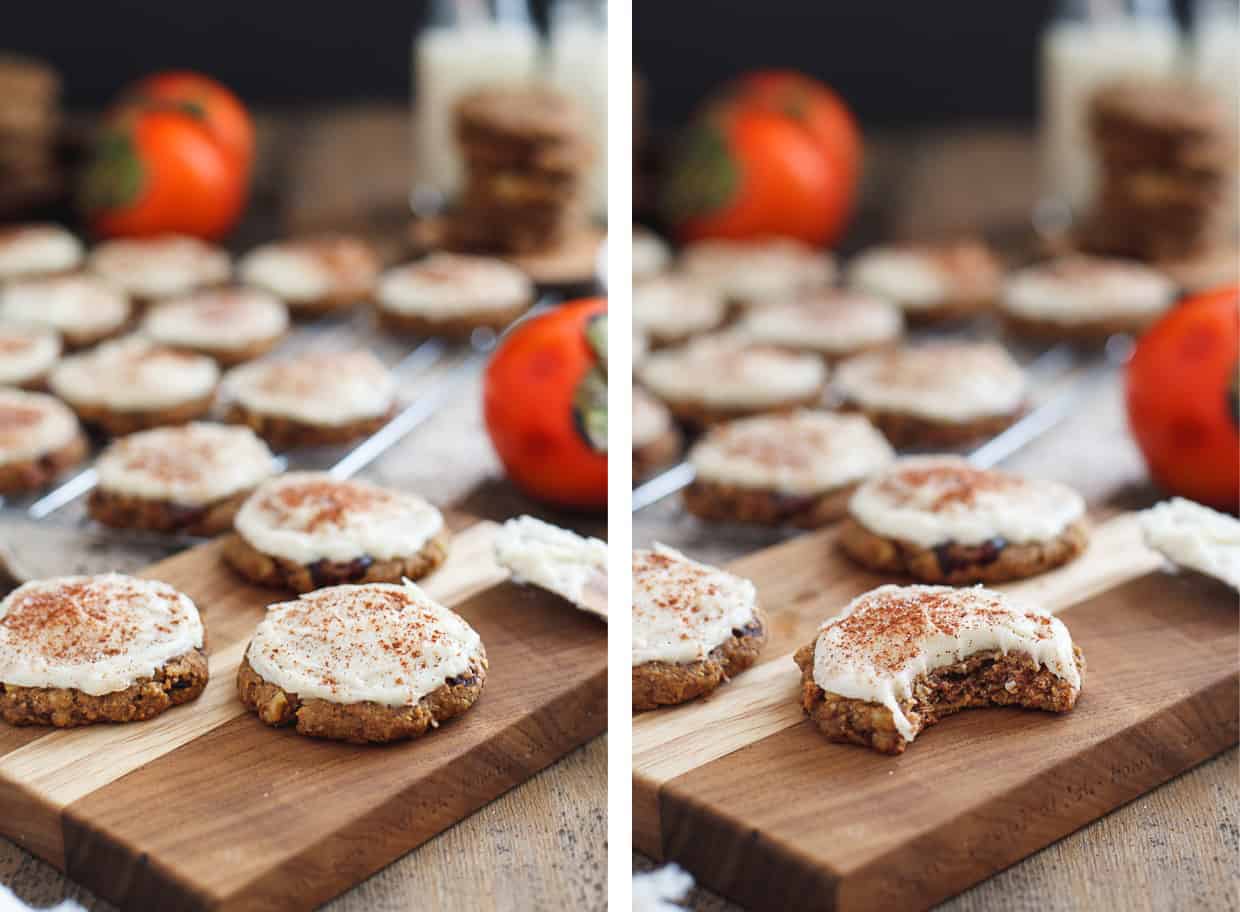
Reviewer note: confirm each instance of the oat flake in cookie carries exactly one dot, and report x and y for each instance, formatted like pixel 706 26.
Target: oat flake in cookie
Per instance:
pixel 189 479
pixel 365 664
pixel 694 627
pixel 452 294
pixel 307 530
pixel 901 658
pixel 759 273
pixel 231 325
pixel 110 648
pixel 149 269
pixel 34 250
pixel 39 439
pixel 930 282
pixel 561 561
pixel 314 275
pixel 27 353
pixel 941 394
pixel 797 468
pixel 84 309
pixel 941 520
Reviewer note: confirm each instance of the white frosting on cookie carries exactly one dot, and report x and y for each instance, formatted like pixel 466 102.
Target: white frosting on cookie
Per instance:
pixel 190 465
pixel 561 561
pixel 26 352
pixel 936 500
pixel 71 304
pixel 1081 289
pixel 311 268
pixel 651 255
pixel 832 322
pixel 378 643
pixel 890 636
pixel 1190 535
pixel 309 516
pixel 96 634
pixel 922 277
pixel 29 250
pixel 134 374
pixel 454 284
pixel 945 381
pixel 671 308
pixel 160 267
pixel 805 452
pixel 724 371
pixel 320 388
pixel 759 273
pixel 226 319
pixel 651 419
pixel 33 425
pixel 682 610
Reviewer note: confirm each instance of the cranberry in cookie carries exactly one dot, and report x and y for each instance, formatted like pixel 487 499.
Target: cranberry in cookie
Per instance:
pixel 314 275
pixel 231 325
pixel 39 440
pixel 452 294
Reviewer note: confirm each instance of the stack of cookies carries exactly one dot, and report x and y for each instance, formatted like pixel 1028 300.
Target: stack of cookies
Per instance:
pixel 29 125
pixel 1167 160
pixel 525 157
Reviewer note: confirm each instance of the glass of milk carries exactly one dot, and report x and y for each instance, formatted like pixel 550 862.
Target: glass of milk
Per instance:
pixel 465 45
pixel 1090 43
pixel 577 66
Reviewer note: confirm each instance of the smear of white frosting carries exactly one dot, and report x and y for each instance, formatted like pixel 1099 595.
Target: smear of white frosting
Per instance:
pixel 1190 535
pixel 556 559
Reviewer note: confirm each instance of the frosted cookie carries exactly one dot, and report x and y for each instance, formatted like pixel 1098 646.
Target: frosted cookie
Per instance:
pixel 796 469
pixel 651 255
pixel 1196 537
pixel 1085 299
pixel 930 282
pixel 899 659
pixel 942 521
pixel 672 309
pixel 656 439
pixel 937 395
pixel 149 269
pixel 27 354
pixel 316 275
pixel 83 309
pixel 715 378
pixel 130 384
pixel 306 530
pixel 694 627
pixel 758 273
pixel 37 250
pixel 452 294
pixel 365 664
pixel 835 324
pixel 190 479
pixel 231 325
pixel 312 399
pixel 39 440
pixel 82 649
pixel 555 559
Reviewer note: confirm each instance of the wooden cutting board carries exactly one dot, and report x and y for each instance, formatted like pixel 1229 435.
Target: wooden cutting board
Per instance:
pixel 750 798
pixel 204 807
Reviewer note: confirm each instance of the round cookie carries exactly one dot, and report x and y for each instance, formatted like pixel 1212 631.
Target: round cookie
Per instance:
pixel 931 283
pixel 694 627
pixel 84 309
pixel 672 309
pixel 364 664
pixel 901 658
pixel 452 294
pixel 307 530
pixel 314 275
pixel 190 479
pixel 720 377
pixel 937 395
pixel 651 255
pixel 758 273
pixel 656 439
pixel 231 325
pixel 312 399
pixel 82 649
pixel 39 440
pixel 796 469
pixel 940 520
pixel 1084 299
pixel 37 250
pixel 150 269
pixel 834 324
pixel 131 384
pixel 27 354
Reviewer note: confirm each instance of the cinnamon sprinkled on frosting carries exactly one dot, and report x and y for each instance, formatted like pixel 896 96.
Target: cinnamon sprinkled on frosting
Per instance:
pixel 32 425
